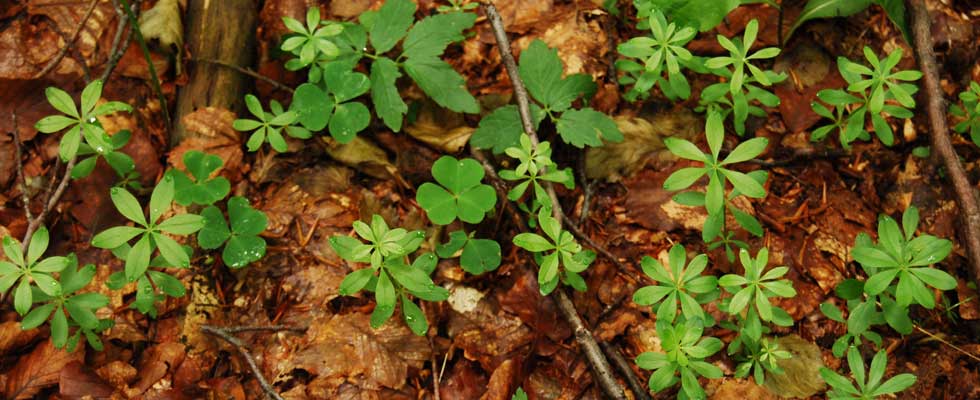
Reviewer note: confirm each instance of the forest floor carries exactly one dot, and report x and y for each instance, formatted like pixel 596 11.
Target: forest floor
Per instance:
pixel 496 332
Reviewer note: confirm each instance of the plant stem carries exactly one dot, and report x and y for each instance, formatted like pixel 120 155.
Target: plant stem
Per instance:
pixel 134 24
pixel 243 350
pixel 600 366
pixel 939 134
pixel 51 203
pixel 20 168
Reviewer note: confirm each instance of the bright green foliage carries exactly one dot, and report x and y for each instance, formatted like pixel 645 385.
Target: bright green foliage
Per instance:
pixel 478 256
pixel 457 5
pixel 120 162
pixel 760 357
pixel 702 16
pixel 81 122
pixel 679 284
pixel 969 112
pixel 152 235
pixel 80 309
pixel 714 200
pixel 242 242
pixel 197 186
pixel 333 84
pixel 743 87
pixel 519 395
pixel 534 165
pixel 753 290
pixel 30 272
pixel 541 70
pixel 458 194
pixel 268 126
pixel 869 385
pixel 874 92
pixel 389 276
pixel 844 8
pixel 662 53
pixel 901 255
pixel 564 252
pixel 311 43
pixel 684 354
pixel 862 315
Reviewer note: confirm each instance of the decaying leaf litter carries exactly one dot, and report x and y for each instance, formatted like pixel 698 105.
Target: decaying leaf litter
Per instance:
pixel 495 332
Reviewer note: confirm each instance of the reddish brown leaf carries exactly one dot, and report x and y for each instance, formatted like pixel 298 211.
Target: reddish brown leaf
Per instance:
pixel 39 370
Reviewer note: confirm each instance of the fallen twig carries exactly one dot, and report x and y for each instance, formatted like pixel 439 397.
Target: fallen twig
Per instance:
pixel 115 50
pixel 242 349
pixel 939 134
pixel 68 43
pixel 49 204
pixel 20 167
pixel 618 361
pixel 600 366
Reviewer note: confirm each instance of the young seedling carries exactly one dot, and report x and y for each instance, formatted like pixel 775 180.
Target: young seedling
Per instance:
pixel 869 385
pixel 753 290
pixel 541 70
pixel 120 162
pixel 969 112
pixel 459 192
pixel 760 358
pixel 310 42
pixel 389 276
pixel 862 315
pixel 242 242
pixel 662 53
pixel 680 284
pixel 68 309
pixel 197 186
pixel 478 256
pixel 334 107
pixel 30 272
pixel 564 251
pixel 268 127
pixel 80 121
pixel 457 5
pixel 684 354
pixel 532 162
pixel 714 200
pixel 739 58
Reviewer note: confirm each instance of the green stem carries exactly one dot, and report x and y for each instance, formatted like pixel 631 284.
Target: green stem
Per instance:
pixel 133 22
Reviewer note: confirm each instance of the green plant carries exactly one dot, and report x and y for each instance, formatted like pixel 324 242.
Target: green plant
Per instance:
pixel 389 276
pixel 969 112
pixel 120 162
pixel 31 271
pixel 861 317
pixel 81 121
pixel 519 395
pixel 196 186
pixel 457 5
pixel 761 357
pixel 752 291
pixel 478 255
pixel 541 70
pixel 680 284
pixel 684 354
pixel 333 86
pixel 458 194
pixel 530 171
pixel 268 126
pixel 310 43
pixel 743 86
pixel 700 16
pixel 714 199
pixel 80 309
pixel 662 53
pixel 869 384
pixel 876 95
pixel 564 252
pixel 843 8
pixel 242 243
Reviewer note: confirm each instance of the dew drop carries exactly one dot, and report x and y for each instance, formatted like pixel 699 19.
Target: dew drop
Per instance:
pixel 91 120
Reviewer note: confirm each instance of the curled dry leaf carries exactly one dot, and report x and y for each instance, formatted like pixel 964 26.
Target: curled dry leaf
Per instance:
pixel 440 128
pixel 213 135
pixel 642 144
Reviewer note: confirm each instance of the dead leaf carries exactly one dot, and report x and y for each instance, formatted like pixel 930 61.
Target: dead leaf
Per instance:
pixel 363 156
pixel 488 334
pixel 39 370
pixel 162 22
pixel 801 376
pixel 464 380
pixel 78 381
pixel 14 338
pixel 214 135
pixel 344 348
pixel 440 128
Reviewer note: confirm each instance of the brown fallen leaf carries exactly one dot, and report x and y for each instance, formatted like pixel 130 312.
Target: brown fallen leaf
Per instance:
pixel 214 135
pixel 12 338
pixel 464 380
pixel 38 370
pixel 77 381
pixel 488 334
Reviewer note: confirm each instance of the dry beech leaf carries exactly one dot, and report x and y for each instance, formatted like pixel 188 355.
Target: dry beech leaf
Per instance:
pixel 39 370
pixel 440 128
pixel 215 135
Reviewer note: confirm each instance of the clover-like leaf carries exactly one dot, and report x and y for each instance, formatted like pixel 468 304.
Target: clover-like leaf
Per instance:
pixel 459 192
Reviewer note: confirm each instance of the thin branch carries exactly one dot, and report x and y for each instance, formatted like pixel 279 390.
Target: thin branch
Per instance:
pixel 946 342
pixel 50 204
pixel 248 72
pixel 939 134
pixel 20 168
pixel 116 51
pixel 243 350
pixel 263 328
pixel 600 366
pixel 582 236
pixel 149 63
pixel 618 361
pixel 68 43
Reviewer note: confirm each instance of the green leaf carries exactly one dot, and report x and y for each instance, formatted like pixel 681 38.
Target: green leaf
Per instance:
pixel 243 250
pixel 439 204
pixel 541 70
pixel 182 224
pixel 171 251
pixel 23 298
pixel 466 197
pixel 53 123
pixel 36 317
pixel 393 20
pixel 896 12
pixel 115 236
pixel 533 242
pixel 414 317
pixel 443 84
pixel 138 259
pixel 349 119
pixel 61 101
pixel 387 101
pixel 161 198
pixel 215 230
pixel 457 239
pixel 827 9
pixel 39 243
pixel 430 36
pixel 59 328
pixel 700 16
pixel 502 128
pixel 587 127
pixel 90 95
pixel 355 281
pixel 480 255
pixel 127 205
pixel 312 106
pixel 245 220
pixel 384 295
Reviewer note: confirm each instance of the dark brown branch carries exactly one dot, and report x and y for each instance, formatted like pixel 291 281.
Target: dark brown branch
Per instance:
pixel 68 43
pixel 20 168
pixel 49 204
pixel 243 350
pixel 618 361
pixel 247 72
pixel 939 134
pixel 605 378
pixel 115 51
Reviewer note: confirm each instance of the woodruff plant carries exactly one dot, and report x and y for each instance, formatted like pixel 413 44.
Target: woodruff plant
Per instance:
pixel 869 385
pixel 661 53
pixel 684 354
pixel 968 112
